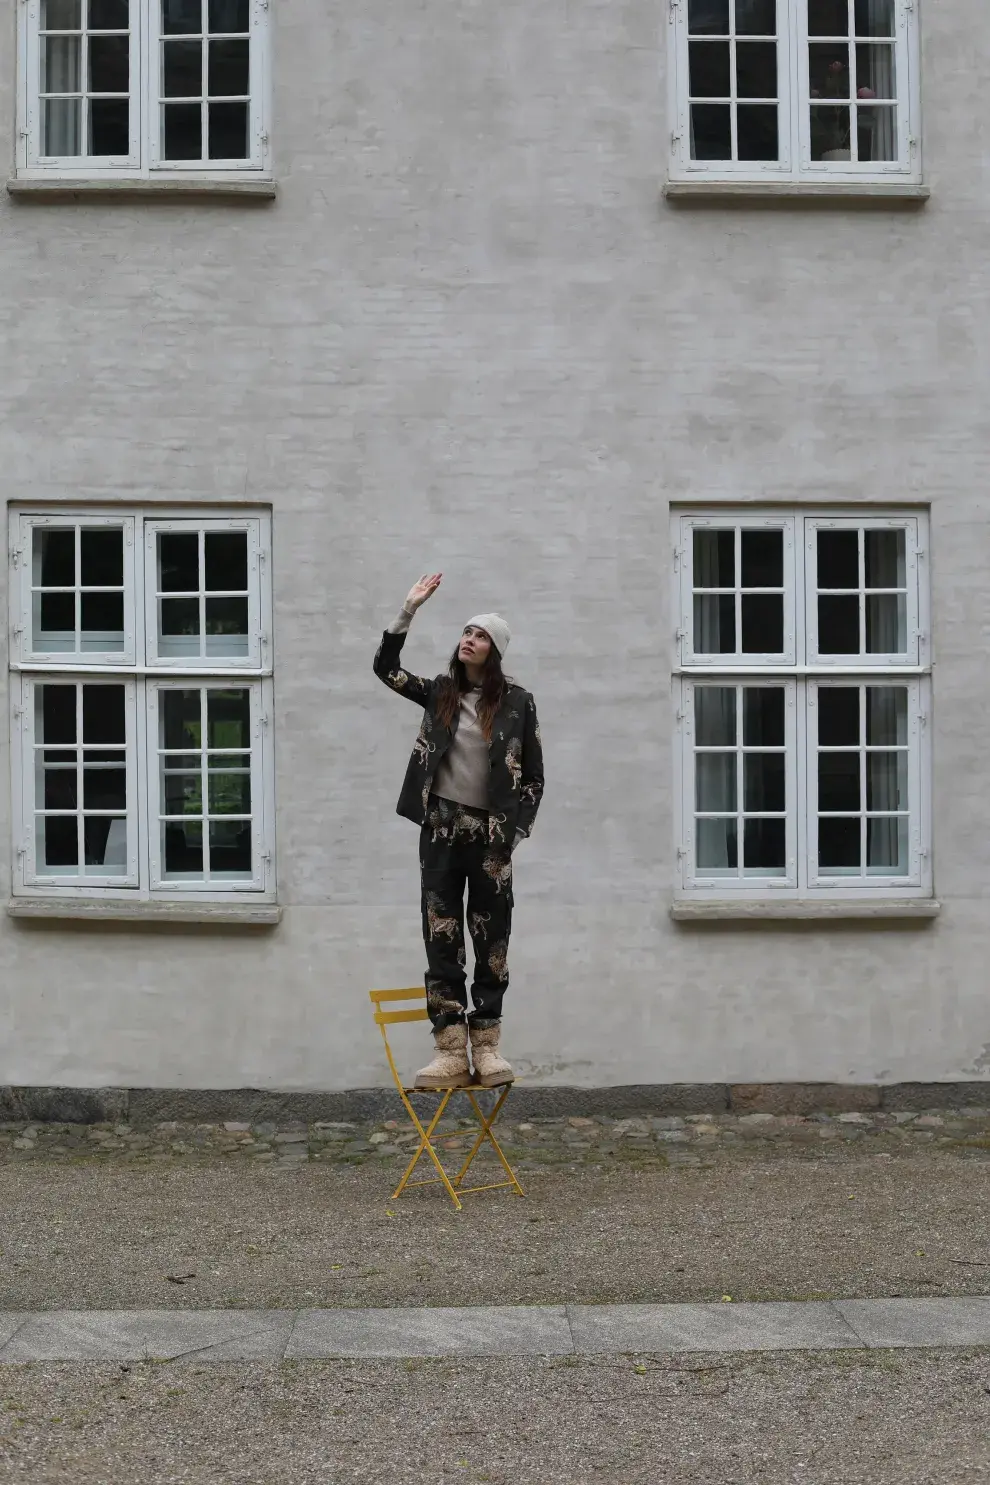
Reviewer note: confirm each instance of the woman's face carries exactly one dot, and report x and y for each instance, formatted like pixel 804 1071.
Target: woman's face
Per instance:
pixel 474 647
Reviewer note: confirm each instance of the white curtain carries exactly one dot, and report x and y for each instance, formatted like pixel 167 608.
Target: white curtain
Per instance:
pixel 883 132
pixel 60 74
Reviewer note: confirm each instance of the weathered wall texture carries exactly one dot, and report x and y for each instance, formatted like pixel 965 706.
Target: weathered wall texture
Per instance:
pixel 469 336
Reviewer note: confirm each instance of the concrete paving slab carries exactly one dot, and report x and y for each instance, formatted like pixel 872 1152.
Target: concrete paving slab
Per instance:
pixel 471 1331
pixel 721 1327
pixel 918 1322
pixel 133 1335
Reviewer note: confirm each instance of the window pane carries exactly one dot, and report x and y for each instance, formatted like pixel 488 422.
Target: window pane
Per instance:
pixel 229 793
pixel 763 716
pixel 105 788
pixel 830 133
pixel 102 622
pixel 178 562
pixel 229 131
pixel 717 848
pixel 763 782
pixel 756 131
pixel 182 131
pixel 877 133
pixel 55 714
pixel 715 783
pixel 108 15
pixel 54 558
pixel 828 66
pixel 181 726
pixel 884 552
pixel 54 622
pixel 226 561
pixel 886 781
pixel 886 624
pixel 109 64
pixel 829 17
pixel 838 845
pixel 230 848
pixel 711 131
pixel 838 626
pixel 714 624
pixel 756 17
pixel 887 847
pixel 103 714
pixel 874 71
pixel 102 557
pixel 109 126
pixel 61 15
pixel 709 66
pixel 708 17
pixel 838 559
pixel 182 69
pixel 874 17
pixel 228 15
pixel 228 715
pixel 838 781
pixel 714 559
pixel 762 623
pixel 756 69
pixel 57 842
pixel 179 621
pixel 715 716
pixel 183 848
pixel 61 788
pixel 838 716
pixel 886 716
pixel 181 16
pixel 227 627
pixel 228 69
pixel 765 846
pixel 105 845
pixel 183 793
pixel 60 69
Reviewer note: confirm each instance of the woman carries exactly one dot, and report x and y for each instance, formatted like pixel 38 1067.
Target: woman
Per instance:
pixel 473 784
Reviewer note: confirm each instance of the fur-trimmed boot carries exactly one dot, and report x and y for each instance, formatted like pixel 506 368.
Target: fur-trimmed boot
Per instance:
pixel 449 1068
pixel 490 1068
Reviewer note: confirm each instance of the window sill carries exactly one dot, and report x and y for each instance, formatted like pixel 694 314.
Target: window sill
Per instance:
pixel 811 192
pixel 919 909
pixel 244 914
pixel 65 188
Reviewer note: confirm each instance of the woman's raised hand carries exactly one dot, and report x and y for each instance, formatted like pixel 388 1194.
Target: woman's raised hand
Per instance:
pixel 424 589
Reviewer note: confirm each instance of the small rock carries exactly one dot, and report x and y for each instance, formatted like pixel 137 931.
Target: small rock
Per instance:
pixel 757 1119
pixel 265 1130
pixel 706 1129
pixel 294 1138
pixel 139 1141
pixel 671 1122
pixel 852 1118
pixel 330 1124
pixel 232 1126
pixel 581 1123
pixel 525 1128
pixel 669 1136
pixel 121 1129
pixel 929 1121
pixel 264 1155
pixel 169 1127
pixel 378 1139
pixel 25 1144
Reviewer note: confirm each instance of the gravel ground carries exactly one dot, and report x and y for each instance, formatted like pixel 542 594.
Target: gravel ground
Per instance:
pixel 821 1418
pixel 874 1217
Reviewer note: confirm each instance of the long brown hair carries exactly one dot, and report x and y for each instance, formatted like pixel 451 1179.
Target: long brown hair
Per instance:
pixel 455 683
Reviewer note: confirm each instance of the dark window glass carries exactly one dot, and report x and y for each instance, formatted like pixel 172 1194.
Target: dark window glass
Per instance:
pixel 58 558
pixel 756 69
pixel 230 846
pixel 838 559
pixel 228 69
pixel 762 559
pixel 102 557
pixel 228 719
pixel 178 560
pixel 838 844
pixel 838 716
pixel 228 15
pixel 226 561
pixel 182 74
pixel 756 17
pixel 58 614
pixel 838 781
pixel 109 126
pixel 763 782
pixel 58 714
pixel 764 845
pixel 184 848
pixel 59 841
pixel 103 714
pixel 181 724
pixel 762 623
pixel 714 559
pixel 763 716
pixel 181 16
pixel 61 789
pixel 715 716
pixel 183 131
pixel 838 625
pixel 756 127
pixel 709 64
pixel 711 131
pixel 714 624
pixel 109 64
pixel 108 15
pixel 229 131
pixel 708 17
pixel 828 18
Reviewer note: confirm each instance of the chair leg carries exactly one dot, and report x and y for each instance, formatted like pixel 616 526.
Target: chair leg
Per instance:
pixel 425 1143
pixel 486 1134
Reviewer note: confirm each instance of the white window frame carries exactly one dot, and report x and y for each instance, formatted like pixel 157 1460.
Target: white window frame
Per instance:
pixel 793 90
pixel 803 675
pixel 144 158
pixel 143 676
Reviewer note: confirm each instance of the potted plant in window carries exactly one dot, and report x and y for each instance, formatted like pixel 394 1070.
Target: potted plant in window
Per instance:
pixel 831 126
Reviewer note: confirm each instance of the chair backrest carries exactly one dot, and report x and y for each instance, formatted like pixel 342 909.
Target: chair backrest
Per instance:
pixel 385 1019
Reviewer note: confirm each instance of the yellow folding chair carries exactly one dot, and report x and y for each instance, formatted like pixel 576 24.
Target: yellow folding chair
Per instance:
pixel 454 1187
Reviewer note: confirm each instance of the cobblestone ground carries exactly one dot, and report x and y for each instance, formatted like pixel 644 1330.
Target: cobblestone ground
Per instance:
pixel 689 1141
